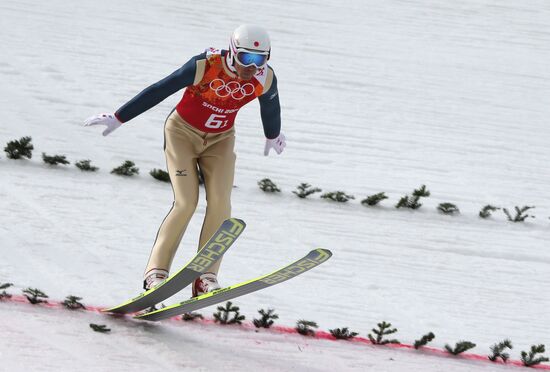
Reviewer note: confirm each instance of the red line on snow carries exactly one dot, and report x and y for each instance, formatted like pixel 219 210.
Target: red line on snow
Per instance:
pixel 320 335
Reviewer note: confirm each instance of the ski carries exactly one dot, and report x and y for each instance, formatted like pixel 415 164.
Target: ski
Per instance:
pixel 210 253
pixel 311 260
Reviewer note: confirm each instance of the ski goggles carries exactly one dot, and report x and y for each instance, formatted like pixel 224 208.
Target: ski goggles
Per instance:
pixel 246 59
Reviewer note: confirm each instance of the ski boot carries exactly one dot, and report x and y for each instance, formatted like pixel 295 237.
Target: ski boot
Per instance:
pixel 153 277
pixel 205 283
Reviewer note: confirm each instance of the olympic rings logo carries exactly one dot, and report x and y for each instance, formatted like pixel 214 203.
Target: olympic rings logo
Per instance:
pixel 231 88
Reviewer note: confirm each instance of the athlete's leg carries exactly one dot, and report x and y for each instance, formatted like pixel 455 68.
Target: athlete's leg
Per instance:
pixel 181 158
pixel 217 163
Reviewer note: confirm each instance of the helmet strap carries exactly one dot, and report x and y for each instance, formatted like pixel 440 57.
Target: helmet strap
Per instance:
pixel 230 61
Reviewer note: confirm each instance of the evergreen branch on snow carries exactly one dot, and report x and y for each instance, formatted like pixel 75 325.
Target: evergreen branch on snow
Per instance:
pixel 424 340
pixel 267 318
pixel 85 166
pixel 373 200
pixel 73 303
pixel 223 314
pixel 343 333
pixel 191 316
pixel 17 149
pixel 422 192
pixel 6 285
pixel 55 159
pixel 306 327
pixel 127 169
pixel 520 216
pixel 408 202
pixel 498 351
pixel 532 359
pixel 305 189
pixel 101 328
pixel 338 196
pixel 383 330
pixel 5 294
pixel 412 202
pixel 448 208
pixel 266 185
pixel 460 347
pixel 487 210
pixel 35 296
pixel 160 175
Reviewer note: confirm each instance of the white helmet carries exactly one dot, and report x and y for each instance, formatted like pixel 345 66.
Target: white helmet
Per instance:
pixel 249 39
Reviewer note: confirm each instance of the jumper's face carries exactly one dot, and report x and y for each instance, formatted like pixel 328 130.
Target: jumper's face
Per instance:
pixel 245 73
pixel 247 63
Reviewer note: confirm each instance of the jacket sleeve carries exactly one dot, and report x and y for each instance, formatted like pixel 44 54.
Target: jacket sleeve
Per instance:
pixel 270 110
pixel 158 92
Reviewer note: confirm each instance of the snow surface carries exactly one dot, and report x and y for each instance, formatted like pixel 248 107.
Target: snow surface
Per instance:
pixel 376 96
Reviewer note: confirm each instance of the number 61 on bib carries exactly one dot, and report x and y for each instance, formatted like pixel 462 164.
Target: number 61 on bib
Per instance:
pixel 216 121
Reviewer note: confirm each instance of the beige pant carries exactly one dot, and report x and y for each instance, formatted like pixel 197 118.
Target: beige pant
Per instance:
pixel 185 147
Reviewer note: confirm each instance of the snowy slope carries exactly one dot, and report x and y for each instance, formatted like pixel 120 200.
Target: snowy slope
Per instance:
pixel 376 96
pixel 181 346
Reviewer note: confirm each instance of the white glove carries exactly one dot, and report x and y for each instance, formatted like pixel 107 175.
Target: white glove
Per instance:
pixel 109 120
pixel 278 144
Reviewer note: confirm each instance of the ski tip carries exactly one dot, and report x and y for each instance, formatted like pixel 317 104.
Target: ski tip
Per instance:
pixel 233 225
pixel 322 254
pixel 113 310
pixel 237 221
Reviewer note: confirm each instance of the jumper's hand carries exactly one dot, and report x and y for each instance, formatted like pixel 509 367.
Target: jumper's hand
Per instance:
pixel 278 144
pixel 108 120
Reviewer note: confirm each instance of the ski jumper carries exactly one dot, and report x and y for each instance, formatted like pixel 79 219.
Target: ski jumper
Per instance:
pixel 200 132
